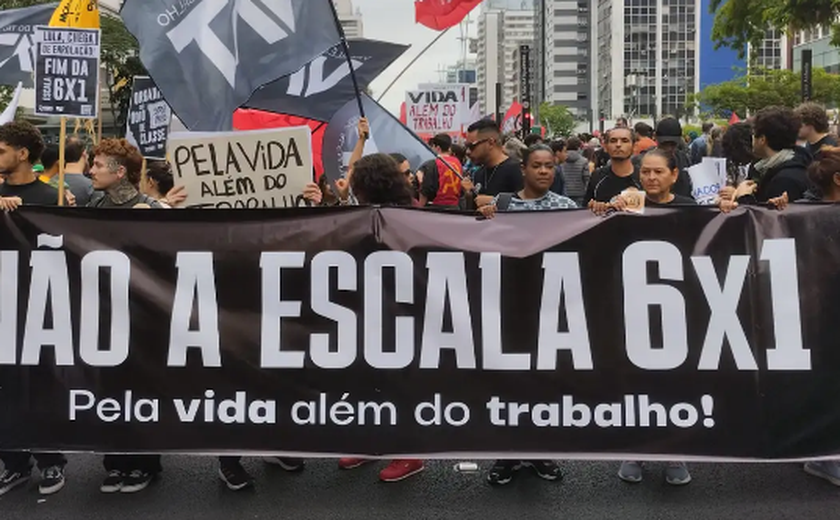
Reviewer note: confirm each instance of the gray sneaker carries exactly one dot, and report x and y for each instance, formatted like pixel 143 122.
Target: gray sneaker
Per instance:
pixel 630 472
pixel 677 474
pixel 825 469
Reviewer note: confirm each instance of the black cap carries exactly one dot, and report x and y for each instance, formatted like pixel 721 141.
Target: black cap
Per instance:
pixel 669 130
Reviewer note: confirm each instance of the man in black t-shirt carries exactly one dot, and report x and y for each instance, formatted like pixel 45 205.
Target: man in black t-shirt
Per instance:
pixel 498 174
pixel 814 129
pixel 21 145
pixel 618 175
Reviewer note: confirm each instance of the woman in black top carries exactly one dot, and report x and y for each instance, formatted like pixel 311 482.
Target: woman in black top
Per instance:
pixel 658 174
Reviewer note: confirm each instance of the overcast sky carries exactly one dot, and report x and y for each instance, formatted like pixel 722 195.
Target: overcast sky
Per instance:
pixel 393 20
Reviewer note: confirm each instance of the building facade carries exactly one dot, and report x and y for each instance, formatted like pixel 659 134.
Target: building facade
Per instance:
pixel 564 58
pixel 823 54
pixel 648 57
pixel 503 25
pixel 350 18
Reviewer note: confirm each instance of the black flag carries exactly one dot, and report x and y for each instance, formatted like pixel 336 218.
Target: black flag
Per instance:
pixel 208 57
pixel 17 45
pixel 323 86
pixel 388 135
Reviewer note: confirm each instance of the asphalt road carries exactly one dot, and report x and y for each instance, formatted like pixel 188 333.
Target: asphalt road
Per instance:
pixel 190 489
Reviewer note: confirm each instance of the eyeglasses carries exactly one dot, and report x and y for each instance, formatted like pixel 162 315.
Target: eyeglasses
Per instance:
pixel 473 146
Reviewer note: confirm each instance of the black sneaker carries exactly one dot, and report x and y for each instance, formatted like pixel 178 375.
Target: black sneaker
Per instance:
pixel 9 480
pixel 113 482
pixel 52 480
pixel 235 477
pixel 136 481
pixel 545 469
pixel 503 472
pixel 287 463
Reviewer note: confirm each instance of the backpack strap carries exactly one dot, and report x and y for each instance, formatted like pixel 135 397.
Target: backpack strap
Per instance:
pixel 504 201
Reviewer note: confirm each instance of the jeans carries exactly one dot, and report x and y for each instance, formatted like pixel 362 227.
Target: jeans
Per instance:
pixel 20 461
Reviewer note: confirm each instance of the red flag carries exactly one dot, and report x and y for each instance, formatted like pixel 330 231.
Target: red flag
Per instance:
pixel 442 14
pixel 403 115
pixel 512 121
pixel 734 119
pixel 248 119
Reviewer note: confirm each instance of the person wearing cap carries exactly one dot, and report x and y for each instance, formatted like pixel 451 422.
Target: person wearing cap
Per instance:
pixel 669 138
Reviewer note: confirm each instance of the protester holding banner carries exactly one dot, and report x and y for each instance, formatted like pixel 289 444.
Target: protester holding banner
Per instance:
pixel 781 171
pixel 658 174
pixel 825 175
pixel 499 173
pixel 538 173
pixel 619 174
pixel 814 129
pixel 159 184
pixel 21 145
pixel 441 184
pixel 75 168
pixel 377 180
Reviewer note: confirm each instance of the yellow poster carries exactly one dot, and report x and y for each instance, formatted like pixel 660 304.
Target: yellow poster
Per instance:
pixel 80 14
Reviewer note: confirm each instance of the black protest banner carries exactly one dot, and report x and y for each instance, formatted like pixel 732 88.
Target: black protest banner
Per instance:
pixel 149 117
pixel 67 72
pixel 243 170
pixel 397 331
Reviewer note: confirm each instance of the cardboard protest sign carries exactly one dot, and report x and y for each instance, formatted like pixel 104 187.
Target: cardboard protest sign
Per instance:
pixel 438 109
pixel 707 178
pixel 67 72
pixel 149 117
pixel 243 170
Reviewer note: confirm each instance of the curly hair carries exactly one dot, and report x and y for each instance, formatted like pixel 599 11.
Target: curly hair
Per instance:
pixel 814 115
pixel 778 125
pixel 377 180
pixel 21 134
pixel 122 153
pixel 161 173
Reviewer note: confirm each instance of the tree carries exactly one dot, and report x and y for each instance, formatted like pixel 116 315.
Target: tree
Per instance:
pixel 739 22
pixel 764 88
pixel 119 59
pixel 557 119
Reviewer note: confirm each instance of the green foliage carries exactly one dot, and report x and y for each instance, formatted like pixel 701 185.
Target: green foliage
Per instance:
pixel 739 22
pixel 765 88
pixel 557 119
pixel 119 58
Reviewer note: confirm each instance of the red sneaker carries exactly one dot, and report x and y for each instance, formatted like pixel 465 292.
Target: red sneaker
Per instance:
pixel 351 463
pixel 401 469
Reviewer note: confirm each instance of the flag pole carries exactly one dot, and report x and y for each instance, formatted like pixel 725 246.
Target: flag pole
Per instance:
pixel 349 58
pixel 62 136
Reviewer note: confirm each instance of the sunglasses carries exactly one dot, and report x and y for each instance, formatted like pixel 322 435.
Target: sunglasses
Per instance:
pixel 473 146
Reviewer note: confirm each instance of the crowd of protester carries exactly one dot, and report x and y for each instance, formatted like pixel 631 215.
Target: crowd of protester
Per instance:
pixel 778 157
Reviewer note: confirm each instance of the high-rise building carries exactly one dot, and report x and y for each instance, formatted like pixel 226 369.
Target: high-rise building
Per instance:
pixel 647 59
pixel 565 36
pixel 503 26
pixel 818 41
pixel 350 18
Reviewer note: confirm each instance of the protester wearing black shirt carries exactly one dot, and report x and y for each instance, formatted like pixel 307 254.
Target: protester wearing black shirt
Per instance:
pixel 669 139
pixel 814 129
pixel 783 165
pixel 620 174
pixel 499 173
pixel 658 174
pixel 21 145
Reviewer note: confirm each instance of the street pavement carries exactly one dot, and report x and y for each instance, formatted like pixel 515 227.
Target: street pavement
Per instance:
pixel 190 489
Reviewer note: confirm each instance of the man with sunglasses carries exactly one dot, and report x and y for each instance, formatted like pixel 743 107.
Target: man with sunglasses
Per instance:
pixel 498 174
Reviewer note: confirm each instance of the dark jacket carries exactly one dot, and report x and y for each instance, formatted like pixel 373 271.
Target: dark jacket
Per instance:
pixel 576 174
pixel 790 176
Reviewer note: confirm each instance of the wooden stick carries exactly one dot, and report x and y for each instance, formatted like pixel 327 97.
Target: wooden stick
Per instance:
pixel 62 136
pixel 99 113
pixel 143 174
